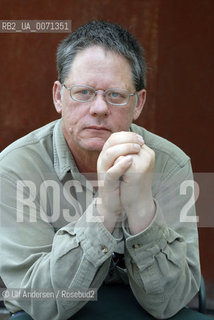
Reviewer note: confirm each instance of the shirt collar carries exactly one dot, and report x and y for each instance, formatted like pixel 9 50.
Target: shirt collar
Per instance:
pixel 63 160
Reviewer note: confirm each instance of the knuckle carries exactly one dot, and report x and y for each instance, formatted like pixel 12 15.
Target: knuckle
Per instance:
pixel 109 176
pixel 107 154
pixel 118 159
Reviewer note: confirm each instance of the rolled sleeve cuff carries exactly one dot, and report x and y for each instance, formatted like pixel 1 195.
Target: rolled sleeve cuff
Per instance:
pixel 146 244
pixel 96 241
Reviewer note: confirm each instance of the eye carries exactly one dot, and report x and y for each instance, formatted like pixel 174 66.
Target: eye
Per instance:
pixel 82 93
pixel 85 92
pixel 117 95
pixel 114 94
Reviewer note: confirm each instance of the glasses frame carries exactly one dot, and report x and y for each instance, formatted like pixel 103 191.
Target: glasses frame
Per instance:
pixel 96 91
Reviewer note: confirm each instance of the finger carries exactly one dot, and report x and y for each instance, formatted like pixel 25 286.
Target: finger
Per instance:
pixel 148 150
pixel 108 157
pixel 116 171
pixel 123 137
pixel 118 159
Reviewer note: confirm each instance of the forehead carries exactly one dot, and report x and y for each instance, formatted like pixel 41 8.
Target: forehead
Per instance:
pixel 100 68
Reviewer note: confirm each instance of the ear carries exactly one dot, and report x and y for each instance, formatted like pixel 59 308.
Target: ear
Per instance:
pixel 57 98
pixel 140 103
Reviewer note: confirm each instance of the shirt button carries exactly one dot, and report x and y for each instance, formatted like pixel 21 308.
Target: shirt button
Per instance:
pixel 136 246
pixel 105 250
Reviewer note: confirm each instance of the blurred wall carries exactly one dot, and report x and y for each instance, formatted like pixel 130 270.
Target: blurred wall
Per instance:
pixel 178 39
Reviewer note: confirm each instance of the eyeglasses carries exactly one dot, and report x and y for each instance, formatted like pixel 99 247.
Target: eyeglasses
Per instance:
pixel 115 97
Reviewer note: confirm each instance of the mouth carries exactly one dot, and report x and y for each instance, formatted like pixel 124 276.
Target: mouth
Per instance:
pixel 98 128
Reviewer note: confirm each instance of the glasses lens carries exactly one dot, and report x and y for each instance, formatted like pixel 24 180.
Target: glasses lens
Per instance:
pixel 82 93
pixel 117 96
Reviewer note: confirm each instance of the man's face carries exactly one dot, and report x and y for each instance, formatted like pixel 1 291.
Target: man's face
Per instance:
pixel 88 125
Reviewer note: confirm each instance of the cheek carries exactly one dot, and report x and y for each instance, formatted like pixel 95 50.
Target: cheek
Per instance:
pixel 122 120
pixel 72 115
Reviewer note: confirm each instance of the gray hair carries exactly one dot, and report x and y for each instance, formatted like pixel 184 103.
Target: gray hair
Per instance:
pixel 109 36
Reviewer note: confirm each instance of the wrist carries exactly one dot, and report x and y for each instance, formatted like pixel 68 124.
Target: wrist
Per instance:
pixel 140 217
pixel 109 219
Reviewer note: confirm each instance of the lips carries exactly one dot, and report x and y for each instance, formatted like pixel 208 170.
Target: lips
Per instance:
pixel 98 128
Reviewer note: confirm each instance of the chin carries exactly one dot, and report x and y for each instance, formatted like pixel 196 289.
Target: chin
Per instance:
pixel 93 146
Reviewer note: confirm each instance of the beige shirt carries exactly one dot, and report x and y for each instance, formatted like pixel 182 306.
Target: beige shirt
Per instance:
pixel 51 237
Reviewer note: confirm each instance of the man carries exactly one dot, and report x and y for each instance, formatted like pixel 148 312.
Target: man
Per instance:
pixel 92 186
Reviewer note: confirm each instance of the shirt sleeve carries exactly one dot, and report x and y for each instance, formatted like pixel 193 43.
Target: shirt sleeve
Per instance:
pixel 163 260
pixel 33 256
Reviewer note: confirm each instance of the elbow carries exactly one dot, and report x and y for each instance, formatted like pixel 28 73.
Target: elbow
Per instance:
pixel 168 305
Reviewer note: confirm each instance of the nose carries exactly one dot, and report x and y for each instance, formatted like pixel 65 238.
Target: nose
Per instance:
pixel 99 107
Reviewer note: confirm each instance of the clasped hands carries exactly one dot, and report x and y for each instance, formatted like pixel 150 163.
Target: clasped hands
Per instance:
pixel 125 170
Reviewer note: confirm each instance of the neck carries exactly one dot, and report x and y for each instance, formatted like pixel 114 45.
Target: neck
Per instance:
pixel 86 162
